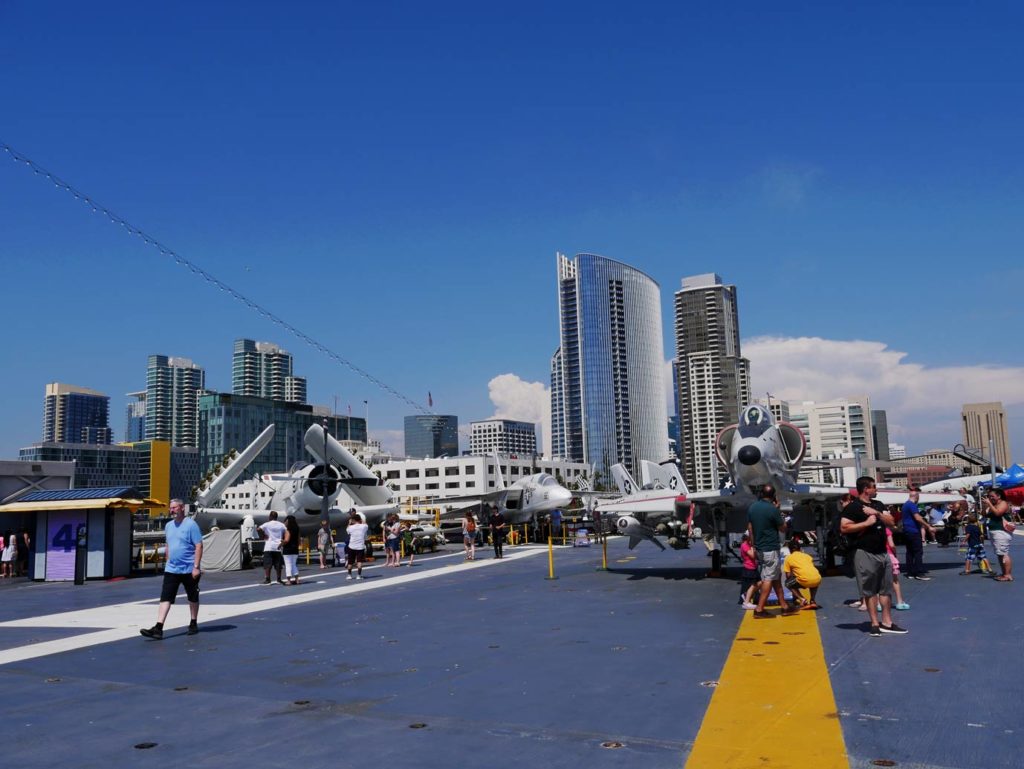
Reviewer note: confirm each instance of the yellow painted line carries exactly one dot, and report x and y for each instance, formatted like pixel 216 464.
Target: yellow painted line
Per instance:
pixel 773 706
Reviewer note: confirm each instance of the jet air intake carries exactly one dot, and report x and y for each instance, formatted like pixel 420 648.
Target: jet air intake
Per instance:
pixel 749 455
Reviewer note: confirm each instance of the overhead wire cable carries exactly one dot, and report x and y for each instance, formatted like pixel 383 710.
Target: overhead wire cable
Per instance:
pixel 195 269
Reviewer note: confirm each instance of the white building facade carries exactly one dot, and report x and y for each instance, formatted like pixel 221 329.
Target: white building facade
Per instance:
pixel 503 436
pixel 413 479
pixel 839 428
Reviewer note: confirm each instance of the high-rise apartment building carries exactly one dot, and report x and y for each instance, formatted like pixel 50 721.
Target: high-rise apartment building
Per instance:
pixel 264 370
pixel 503 436
pixel 712 377
pixel 75 415
pixel 607 391
pixel 172 400
pixel 135 417
pixel 983 422
pixel 431 435
pixel 897 451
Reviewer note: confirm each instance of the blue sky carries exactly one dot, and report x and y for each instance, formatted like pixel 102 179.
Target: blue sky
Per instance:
pixel 396 178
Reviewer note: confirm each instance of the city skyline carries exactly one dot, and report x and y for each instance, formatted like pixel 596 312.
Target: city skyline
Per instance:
pixel 864 205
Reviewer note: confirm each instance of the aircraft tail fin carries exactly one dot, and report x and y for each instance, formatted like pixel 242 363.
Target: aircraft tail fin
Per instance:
pixel 623 480
pixel 663 476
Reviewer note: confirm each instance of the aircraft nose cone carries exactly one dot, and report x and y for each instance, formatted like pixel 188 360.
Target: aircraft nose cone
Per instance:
pixel 749 455
pixel 562 496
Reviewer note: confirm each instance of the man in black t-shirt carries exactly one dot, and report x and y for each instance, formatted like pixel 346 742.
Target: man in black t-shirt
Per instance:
pixel 497 522
pixel 864 521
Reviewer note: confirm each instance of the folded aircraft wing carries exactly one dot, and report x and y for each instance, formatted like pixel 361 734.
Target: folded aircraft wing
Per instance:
pixel 488 496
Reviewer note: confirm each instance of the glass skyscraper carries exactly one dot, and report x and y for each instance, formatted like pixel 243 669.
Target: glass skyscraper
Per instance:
pixel 607 391
pixel 431 435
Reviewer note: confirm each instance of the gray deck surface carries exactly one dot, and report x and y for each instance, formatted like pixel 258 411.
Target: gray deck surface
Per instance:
pixel 502 667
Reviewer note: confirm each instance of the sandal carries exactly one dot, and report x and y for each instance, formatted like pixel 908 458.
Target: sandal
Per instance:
pixel 1003 578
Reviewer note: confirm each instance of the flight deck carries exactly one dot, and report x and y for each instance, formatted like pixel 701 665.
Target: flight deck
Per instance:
pixel 490 663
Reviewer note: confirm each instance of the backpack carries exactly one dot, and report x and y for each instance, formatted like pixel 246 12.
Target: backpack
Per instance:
pixel 471 526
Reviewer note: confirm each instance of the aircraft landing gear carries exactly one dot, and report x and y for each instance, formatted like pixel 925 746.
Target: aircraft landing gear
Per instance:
pixel 716 564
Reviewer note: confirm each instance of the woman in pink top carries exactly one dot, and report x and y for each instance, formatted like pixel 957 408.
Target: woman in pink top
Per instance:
pixel 749 581
pixel 890 548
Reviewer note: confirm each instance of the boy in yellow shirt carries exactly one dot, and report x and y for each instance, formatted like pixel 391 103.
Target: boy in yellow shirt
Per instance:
pixel 799 572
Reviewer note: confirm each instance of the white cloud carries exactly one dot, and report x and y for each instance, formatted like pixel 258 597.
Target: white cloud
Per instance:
pixel 392 441
pixel 515 398
pixel 922 403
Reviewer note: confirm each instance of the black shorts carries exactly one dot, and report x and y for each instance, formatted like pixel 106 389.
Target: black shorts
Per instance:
pixel 355 556
pixel 173 581
pixel 273 558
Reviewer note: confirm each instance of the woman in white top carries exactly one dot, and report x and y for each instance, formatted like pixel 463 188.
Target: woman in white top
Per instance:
pixel 10 555
pixel 392 531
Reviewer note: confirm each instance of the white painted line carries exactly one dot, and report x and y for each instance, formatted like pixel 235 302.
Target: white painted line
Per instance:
pixel 121 621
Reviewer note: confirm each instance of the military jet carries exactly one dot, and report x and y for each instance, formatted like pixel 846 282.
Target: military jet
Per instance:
pixel 757 450
pixel 335 474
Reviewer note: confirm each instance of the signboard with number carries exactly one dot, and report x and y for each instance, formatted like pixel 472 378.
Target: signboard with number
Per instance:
pixel 61 530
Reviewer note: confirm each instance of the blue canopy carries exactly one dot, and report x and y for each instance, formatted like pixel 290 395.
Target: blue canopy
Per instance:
pixel 1013 477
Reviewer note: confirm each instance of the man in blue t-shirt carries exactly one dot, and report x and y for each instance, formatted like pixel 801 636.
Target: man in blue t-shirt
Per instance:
pixel 913 522
pixel 184 543
pixel 765 525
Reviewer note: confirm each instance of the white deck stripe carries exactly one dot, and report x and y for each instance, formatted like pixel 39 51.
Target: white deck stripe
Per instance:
pixel 121 621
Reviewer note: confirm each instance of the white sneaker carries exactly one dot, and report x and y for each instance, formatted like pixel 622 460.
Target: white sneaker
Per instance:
pixel 749 606
pixel 359 577
pixel 349 577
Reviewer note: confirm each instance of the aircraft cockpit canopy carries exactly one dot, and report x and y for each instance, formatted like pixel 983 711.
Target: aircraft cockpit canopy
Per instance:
pixel 546 480
pixel 754 421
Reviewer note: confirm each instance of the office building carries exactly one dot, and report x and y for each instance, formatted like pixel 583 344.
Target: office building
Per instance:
pixel 983 422
pixel 431 435
pixel 836 429
pixel 607 391
pixel 712 376
pixel 264 370
pixel 778 408
pixel 154 468
pixel 75 414
pixel 880 434
pixel 172 392
pixel 897 451
pixel 503 436
pixel 933 465
pixel 135 417
pixel 228 421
